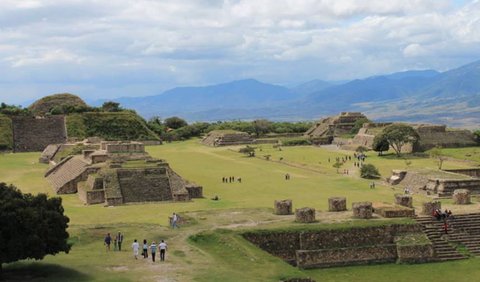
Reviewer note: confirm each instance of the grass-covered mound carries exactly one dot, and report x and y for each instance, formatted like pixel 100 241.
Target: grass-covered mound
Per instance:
pixel 6 134
pixel 125 125
pixel 56 102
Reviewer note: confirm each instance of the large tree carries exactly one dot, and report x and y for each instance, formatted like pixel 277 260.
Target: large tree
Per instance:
pixel 398 135
pixel 175 122
pixel 380 144
pixel 30 226
pixel 261 126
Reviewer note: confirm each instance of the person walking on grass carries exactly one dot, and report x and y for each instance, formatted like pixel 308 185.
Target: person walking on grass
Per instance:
pixel 135 248
pixel 153 250
pixel 174 220
pixel 163 248
pixel 145 249
pixel 119 239
pixel 107 241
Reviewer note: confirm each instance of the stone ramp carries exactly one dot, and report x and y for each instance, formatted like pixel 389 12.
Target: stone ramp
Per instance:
pixel 65 175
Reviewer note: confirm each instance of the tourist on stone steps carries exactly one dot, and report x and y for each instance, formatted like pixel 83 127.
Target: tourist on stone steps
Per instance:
pixel 135 248
pixel 153 250
pixel 107 241
pixel 163 248
pixel 445 226
pixel 145 248
pixel 119 239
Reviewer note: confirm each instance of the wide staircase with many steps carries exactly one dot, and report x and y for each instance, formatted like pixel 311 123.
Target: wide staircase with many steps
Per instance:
pixel 463 234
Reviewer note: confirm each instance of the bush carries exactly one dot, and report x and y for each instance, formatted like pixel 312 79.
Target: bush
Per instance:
pixel 296 142
pixel 369 171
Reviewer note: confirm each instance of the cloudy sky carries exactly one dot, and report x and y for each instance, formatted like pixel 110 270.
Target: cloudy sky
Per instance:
pixel 105 49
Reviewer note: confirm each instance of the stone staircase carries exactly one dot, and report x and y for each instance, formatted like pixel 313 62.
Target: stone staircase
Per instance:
pixel 464 230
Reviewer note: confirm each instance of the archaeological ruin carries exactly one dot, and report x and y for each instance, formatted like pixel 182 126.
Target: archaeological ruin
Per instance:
pixel 33 134
pixel 217 138
pixel 117 173
pixel 326 129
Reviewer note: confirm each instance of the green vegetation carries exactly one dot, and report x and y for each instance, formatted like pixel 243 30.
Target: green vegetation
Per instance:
pixel 123 125
pixel 213 249
pixel 369 171
pixel 380 144
pixel 32 226
pixel 358 124
pixel 398 134
pixel 6 135
pixel 58 104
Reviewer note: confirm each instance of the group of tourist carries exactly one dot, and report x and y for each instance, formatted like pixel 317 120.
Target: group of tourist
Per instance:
pixel 287 176
pixel 231 179
pixel 439 215
pixel 162 248
pixel 117 242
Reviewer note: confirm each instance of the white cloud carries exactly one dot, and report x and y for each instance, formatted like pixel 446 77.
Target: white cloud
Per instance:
pixel 166 43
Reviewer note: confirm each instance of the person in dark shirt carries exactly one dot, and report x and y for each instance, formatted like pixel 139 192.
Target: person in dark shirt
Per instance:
pixel 107 241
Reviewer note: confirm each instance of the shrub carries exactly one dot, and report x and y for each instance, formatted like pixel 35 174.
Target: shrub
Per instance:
pixel 369 171
pixel 296 142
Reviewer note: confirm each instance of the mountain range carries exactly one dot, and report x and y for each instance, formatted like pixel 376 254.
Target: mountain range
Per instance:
pixel 451 97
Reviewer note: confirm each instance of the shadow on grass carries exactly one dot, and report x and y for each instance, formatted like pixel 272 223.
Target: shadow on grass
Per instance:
pixel 37 271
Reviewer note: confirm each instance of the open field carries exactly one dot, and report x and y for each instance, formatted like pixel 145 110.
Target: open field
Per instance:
pixel 219 253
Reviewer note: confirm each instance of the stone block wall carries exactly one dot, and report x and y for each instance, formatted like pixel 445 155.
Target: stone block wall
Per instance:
pixel 144 184
pixel 194 191
pixel 429 207
pixel 415 253
pixel 283 207
pixel 336 204
pixel 280 244
pixel 32 134
pixel 346 256
pixel 133 147
pixel 445 187
pixel 461 197
pixel 305 215
pixel 404 200
pixel 472 172
pixel 362 210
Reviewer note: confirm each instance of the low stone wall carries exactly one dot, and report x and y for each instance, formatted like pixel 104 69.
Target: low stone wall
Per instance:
pixel 472 172
pixel 280 244
pixel 415 253
pixel 393 212
pixel 91 197
pixel 445 187
pixel 346 256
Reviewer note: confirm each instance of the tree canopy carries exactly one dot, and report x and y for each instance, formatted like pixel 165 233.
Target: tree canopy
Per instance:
pixel 398 135
pixel 380 144
pixel 31 226
pixel 175 122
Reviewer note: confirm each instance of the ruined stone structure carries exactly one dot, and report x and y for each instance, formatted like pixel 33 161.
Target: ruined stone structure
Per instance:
pixel 434 182
pixel 438 135
pixel 283 207
pixel 120 173
pixel 404 200
pixel 429 207
pixel 472 172
pixel 326 129
pixel 227 138
pixel 461 197
pixel 392 210
pixel 305 215
pixel 336 204
pixel 339 247
pixel 362 210
pixel 33 134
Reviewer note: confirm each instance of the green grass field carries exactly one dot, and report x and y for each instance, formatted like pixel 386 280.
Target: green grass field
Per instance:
pixel 210 247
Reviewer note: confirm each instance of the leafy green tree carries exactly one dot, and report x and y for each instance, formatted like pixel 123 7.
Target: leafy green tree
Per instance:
pixel 31 226
pixel 337 165
pixel 361 149
pixel 398 135
pixel 436 153
pixel 476 133
pixel 369 171
pixel 380 144
pixel 175 122
pixel 261 126
pixel 111 106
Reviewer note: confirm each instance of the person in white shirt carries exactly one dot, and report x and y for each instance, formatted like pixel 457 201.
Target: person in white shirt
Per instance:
pixel 163 248
pixel 135 248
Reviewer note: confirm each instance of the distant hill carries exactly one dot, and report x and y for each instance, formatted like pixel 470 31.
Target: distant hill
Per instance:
pixel 182 101
pixel 450 97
